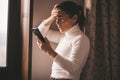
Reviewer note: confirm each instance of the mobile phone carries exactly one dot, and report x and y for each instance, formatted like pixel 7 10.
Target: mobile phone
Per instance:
pixel 38 34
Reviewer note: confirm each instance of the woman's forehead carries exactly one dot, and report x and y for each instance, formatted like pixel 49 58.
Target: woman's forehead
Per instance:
pixel 62 14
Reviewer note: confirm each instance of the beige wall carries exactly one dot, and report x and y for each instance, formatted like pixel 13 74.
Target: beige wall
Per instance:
pixel 41 62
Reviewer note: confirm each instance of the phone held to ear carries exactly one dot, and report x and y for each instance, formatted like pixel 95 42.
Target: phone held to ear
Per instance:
pixel 38 34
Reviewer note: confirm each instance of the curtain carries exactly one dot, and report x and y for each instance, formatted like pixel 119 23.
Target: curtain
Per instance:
pixel 102 28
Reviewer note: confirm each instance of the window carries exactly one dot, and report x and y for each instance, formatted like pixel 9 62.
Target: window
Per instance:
pixel 3 31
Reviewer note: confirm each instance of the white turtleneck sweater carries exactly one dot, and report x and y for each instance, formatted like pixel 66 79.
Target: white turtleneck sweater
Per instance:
pixel 73 50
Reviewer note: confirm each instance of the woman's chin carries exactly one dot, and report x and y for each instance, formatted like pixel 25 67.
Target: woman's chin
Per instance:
pixel 61 31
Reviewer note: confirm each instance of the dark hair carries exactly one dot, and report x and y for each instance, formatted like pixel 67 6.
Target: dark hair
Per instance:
pixel 71 9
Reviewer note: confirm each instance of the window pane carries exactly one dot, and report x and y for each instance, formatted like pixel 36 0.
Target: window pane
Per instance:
pixel 3 31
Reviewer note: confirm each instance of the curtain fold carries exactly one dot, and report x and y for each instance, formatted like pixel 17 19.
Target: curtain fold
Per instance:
pixel 102 28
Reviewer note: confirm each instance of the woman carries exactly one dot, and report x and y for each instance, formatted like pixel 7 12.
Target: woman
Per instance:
pixel 72 51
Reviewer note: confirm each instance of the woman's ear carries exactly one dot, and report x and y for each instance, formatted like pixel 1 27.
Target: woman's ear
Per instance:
pixel 75 18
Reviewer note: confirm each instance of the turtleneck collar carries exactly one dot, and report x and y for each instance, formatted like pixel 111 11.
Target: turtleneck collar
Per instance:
pixel 75 30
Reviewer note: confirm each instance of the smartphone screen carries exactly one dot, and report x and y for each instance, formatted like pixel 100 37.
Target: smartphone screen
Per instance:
pixel 38 34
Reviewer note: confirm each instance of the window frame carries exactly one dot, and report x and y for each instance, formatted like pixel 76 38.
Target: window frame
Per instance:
pixel 14 44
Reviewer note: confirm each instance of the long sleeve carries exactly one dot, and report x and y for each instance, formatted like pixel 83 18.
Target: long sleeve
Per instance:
pixel 78 56
pixel 73 51
pixel 43 29
pixel 53 36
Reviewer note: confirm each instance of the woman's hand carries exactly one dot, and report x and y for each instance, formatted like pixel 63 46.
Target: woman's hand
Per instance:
pixel 46 47
pixel 54 14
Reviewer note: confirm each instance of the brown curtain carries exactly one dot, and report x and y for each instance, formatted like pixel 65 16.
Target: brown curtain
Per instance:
pixel 102 28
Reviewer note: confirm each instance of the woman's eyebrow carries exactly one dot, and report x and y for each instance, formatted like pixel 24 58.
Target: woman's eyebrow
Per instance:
pixel 60 16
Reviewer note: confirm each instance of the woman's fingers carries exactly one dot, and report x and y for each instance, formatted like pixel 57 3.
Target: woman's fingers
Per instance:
pixel 55 6
pixel 55 11
pixel 39 44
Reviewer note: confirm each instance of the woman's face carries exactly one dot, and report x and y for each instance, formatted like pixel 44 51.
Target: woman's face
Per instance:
pixel 64 22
